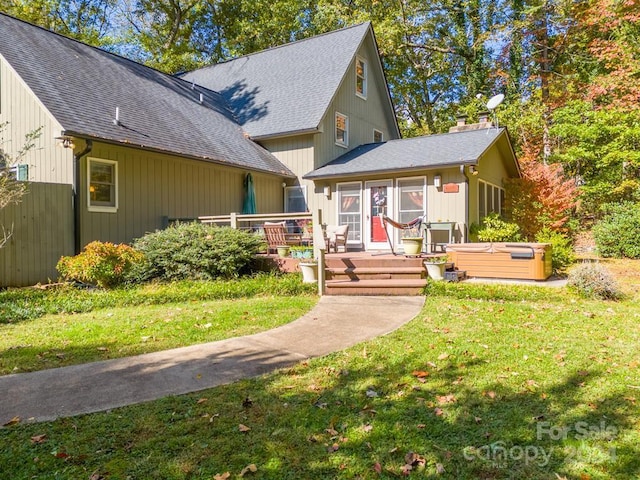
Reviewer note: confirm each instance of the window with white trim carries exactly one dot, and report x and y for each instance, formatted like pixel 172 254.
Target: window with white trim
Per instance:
pixel 490 199
pixel 377 136
pixel 102 185
pixel 342 130
pixel 295 199
pixel 361 78
pixel 350 209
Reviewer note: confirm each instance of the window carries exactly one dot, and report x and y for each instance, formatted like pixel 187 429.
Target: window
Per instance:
pixel 490 199
pixel 102 185
pixel 361 78
pixel 295 199
pixel 20 172
pixel 377 136
pixel 342 130
pixel 411 204
pixel 349 210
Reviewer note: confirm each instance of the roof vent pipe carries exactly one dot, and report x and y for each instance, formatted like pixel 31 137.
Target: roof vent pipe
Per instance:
pixel 116 121
pixel 201 98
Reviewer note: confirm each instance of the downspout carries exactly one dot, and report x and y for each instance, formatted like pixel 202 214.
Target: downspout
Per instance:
pixel 466 203
pixel 76 195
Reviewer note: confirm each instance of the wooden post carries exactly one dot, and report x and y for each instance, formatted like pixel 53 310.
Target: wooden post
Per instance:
pixel 320 247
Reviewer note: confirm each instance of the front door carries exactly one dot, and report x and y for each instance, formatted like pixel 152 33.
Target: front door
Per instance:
pixel 379 201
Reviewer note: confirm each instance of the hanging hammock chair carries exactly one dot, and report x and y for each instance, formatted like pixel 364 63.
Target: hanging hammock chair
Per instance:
pixel 416 223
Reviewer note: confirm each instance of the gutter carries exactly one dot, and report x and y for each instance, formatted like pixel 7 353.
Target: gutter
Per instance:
pixel 77 157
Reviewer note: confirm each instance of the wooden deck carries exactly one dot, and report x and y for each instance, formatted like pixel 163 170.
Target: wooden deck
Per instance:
pixel 364 273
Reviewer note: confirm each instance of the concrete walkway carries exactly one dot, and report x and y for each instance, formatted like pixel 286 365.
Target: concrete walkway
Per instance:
pixel 335 323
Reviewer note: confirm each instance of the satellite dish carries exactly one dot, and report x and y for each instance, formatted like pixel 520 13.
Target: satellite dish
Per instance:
pixel 495 101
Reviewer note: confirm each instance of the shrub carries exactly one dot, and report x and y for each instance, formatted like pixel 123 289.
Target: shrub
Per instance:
pixel 495 229
pixel 102 264
pixel 196 251
pixel 618 233
pixel 562 255
pixel 592 280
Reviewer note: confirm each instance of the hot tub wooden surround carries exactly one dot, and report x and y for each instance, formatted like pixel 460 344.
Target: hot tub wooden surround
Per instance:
pixel 526 261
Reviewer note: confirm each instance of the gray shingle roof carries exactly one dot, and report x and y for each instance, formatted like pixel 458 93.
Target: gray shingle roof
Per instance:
pixel 288 88
pixel 82 86
pixel 419 153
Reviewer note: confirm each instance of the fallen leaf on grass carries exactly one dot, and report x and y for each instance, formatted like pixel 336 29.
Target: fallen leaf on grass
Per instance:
pixel 491 394
pixel 444 399
pixel 36 439
pixel 438 412
pixel 249 468
pixel 333 448
pixel 221 476
pixel 201 400
pixel 439 468
pixel 377 467
pixel 420 373
pixel 243 428
pixel 443 356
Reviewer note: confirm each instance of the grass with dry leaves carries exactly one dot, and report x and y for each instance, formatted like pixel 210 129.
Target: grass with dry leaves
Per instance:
pixel 488 382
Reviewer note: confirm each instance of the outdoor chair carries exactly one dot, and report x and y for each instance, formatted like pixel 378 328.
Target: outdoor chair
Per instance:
pixel 336 237
pixel 277 236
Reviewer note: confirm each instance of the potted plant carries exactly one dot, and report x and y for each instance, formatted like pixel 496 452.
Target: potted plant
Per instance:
pixel 309 269
pixel 301 252
pixel 435 267
pixel 412 241
pixel 283 251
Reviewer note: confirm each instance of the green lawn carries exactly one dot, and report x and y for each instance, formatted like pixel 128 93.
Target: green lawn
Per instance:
pixel 45 329
pixel 489 382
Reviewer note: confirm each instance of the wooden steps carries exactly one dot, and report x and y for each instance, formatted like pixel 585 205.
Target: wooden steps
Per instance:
pixel 374 275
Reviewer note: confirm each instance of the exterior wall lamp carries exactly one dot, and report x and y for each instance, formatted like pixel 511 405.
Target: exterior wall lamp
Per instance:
pixel 437 181
pixel 473 170
pixel 65 142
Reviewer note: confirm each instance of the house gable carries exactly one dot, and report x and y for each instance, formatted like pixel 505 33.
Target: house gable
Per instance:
pixel 288 90
pixel 23 113
pixel 98 95
pixel 375 112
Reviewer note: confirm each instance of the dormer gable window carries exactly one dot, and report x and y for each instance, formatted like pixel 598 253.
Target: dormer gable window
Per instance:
pixel 361 78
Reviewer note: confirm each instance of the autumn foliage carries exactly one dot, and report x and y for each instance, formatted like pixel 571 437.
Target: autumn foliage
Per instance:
pixel 543 197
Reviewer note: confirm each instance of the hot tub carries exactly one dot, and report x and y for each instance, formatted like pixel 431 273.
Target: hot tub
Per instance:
pixel 529 261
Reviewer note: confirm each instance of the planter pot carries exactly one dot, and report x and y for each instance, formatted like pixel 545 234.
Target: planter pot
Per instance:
pixel 283 252
pixel 412 245
pixel 306 252
pixel 309 272
pixel 435 270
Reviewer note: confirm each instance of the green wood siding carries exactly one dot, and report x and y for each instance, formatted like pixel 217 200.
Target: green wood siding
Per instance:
pixel 42 232
pixel 152 187
pixel 25 113
pixel 364 115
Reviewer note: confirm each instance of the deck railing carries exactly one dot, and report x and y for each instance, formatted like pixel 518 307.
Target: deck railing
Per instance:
pixel 254 220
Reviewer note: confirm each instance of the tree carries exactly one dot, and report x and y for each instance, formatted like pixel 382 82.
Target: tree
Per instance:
pixel 89 21
pixel 12 190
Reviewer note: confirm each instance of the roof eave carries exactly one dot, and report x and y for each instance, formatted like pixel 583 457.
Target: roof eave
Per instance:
pixel 84 136
pixel 418 168
pixel 291 133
